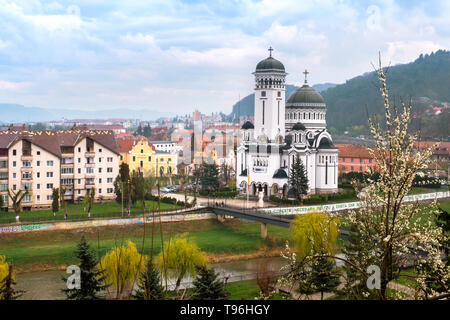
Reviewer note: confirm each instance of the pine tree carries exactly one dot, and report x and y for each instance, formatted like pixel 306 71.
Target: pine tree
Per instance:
pixel 92 279
pixel 7 291
pixel 207 286
pixel 149 284
pixel 209 176
pixel 324 277
pixel 298 179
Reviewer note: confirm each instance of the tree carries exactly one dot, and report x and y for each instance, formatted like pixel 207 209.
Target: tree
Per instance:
pixel 122 186
pixel 92 278
pixel 315 236
pixel 63 201
pixel 7 284
pixel 2 203
pixel 181 257
pixel 89 200
pixel 385 222
pixel 209 176
pixel 314 233
pixel 147 131
pixel 122 265
pixel 55 200
pixel 323 276
pixel 16 199
pixel 149 284
pixel 298 178
pixel 207 286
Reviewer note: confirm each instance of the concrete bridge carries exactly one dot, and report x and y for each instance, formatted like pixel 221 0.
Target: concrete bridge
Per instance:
pixel 260 216
pixel 249 214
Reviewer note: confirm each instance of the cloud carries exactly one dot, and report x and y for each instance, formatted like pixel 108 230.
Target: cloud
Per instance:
pixel 179 55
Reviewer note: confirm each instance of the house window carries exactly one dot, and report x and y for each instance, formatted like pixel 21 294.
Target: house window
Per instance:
pixel 263 93
pixel 149 159
pixel 49 185
pixel 38 163
pixel 38 153
pixel 14 164
pixel 50 163
pixel 134 158
pixel 100 150
pixel 49 174
pixel 14 152
pixel 109 170
pixel 110 180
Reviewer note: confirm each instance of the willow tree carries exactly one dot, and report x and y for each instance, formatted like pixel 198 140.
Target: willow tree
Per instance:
pixel 391 227
pixel 182 257
pixel 311 268
pixel 121 266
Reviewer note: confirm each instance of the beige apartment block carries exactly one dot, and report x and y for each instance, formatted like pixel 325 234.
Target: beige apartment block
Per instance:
pixel 76 160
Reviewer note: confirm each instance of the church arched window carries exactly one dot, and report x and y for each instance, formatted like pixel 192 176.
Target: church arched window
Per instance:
pixel 295 116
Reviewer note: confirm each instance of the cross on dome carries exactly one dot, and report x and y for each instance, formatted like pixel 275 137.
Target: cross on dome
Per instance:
pixel 306 75
pixel 270 51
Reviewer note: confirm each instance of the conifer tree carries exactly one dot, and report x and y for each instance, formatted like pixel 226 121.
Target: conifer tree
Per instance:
pixel 149 284
pixel 298 178
pixel 207 286
pixel 324 277
pixel 92 279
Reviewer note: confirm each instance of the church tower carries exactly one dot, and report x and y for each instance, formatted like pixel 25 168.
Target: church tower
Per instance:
pixel 270 95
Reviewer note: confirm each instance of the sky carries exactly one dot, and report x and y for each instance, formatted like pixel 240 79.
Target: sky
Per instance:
pixel 179 56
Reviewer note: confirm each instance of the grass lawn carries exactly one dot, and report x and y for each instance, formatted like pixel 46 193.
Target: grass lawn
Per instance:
pixel 78 212
pixel 248 290
pixel 52 249
pixel 405 278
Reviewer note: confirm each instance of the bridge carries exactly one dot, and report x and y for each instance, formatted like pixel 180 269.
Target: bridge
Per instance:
pixel 258 216
pixel 249 214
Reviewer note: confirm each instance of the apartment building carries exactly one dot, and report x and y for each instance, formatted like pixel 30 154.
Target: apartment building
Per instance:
pixel 75 160
pixel 354 158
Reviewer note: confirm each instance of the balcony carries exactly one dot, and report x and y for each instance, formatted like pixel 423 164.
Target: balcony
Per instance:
pixel 89 153
pixel 89 182
pixel 90 165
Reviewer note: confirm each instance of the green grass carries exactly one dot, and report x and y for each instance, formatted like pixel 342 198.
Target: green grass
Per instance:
pixel 45 249
pixel 249 290
pixel 406 278
pixel 78 212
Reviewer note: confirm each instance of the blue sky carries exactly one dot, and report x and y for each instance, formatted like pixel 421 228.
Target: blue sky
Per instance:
pixel 183 55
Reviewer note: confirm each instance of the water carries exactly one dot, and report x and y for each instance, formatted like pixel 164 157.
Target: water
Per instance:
pixel 47 285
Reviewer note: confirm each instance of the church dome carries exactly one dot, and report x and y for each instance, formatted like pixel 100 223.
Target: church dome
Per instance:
pixel 298 126
pixel 270 65
pixel 248 125
pixel 306 97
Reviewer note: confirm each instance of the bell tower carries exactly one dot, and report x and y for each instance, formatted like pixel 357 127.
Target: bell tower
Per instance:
pixel 270 96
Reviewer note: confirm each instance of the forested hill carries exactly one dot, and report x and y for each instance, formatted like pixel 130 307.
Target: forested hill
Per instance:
pixel 426 81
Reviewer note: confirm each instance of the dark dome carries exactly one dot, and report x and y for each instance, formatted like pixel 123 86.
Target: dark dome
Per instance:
pixel 280 174
pixel 326 144
pixel 298 126
pixel 270 65
pixel 248 125
pixel 306 97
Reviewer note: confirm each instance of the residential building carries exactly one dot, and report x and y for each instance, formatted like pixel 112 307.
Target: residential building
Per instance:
pixel 143 157
pixel 354 158
pixel 75 160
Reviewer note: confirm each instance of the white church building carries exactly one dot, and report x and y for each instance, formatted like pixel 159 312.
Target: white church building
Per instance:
pixel 281 130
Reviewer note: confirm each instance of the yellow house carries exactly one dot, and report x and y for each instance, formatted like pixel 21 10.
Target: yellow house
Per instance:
pixel 141 156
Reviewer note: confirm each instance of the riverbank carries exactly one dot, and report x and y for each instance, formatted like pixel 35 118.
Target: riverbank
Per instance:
pixel 223 242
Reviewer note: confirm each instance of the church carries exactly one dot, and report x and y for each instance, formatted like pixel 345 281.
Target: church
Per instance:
pixel 281 130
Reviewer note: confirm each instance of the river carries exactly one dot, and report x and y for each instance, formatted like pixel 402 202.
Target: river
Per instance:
pixel 47 285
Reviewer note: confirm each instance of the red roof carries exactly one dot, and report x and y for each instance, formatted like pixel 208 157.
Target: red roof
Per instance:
pixel 125 145
pixel 352 151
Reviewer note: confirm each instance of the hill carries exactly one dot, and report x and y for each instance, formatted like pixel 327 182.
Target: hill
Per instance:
pixel 426 81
